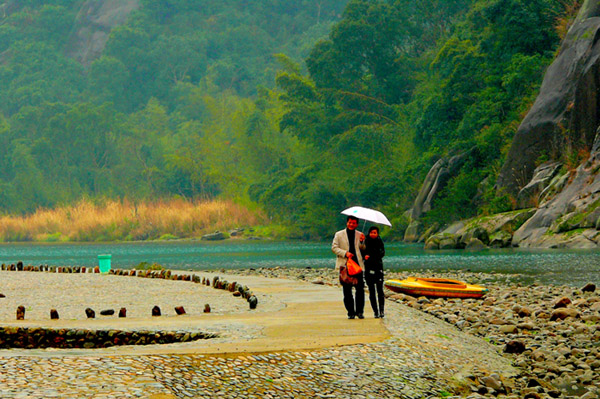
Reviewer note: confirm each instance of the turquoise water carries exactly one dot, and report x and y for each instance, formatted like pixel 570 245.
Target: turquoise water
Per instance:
pixel 573 267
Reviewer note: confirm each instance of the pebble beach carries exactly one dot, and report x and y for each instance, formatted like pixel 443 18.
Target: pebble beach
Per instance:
pixel 433 348
pixel 551 334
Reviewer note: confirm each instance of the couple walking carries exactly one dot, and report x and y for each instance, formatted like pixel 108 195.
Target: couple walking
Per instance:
pixel 368 251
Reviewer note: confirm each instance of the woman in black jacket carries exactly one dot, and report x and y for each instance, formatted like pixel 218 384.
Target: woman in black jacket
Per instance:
pixel 373 256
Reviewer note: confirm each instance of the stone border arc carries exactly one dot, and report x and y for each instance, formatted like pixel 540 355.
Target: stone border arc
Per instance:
pixel 235 288
pixel 43 337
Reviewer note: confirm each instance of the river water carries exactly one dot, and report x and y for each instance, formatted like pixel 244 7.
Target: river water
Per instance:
pixel 572 267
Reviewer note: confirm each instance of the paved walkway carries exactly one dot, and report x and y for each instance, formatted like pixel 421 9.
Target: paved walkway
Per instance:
pixel 299 345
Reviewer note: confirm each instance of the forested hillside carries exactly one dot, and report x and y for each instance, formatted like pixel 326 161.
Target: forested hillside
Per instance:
pixel 302 107
pixel 165 110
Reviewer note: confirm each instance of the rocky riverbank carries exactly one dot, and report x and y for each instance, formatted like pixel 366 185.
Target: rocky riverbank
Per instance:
pixel 551 333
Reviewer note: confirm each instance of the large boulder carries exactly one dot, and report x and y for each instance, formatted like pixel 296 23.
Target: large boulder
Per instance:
pixel 437 178
pixel 566 221
pixel 500 239
pixel 448 242
pixel 455 227
pixel 555 186
pixel 507 221
pixel 216 236
pixel 529 195
pixel 93 24
pixel 474 244
pixel 565 115
pixel 591 219
pixel 476 233
pixel 429 232
pixel 413 231
pixel 442 241
pixel 495 231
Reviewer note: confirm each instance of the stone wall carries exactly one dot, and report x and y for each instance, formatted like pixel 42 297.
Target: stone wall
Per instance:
pixel 33 338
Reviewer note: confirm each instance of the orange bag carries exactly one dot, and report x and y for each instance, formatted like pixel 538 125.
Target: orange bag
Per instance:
pixel 353 267
pixel 345 278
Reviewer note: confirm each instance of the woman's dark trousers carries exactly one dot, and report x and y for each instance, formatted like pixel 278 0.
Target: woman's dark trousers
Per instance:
pixel 376 296
pixel 354 305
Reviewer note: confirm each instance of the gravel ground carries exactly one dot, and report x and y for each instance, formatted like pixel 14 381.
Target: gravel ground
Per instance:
pixel 71 294
pixel 427 355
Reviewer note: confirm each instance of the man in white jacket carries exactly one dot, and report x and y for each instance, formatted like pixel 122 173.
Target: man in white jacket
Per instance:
pixel 346 245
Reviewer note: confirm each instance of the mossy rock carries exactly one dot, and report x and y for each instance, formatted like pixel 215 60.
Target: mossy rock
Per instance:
pixel 500 239
pixel 216 236
pixel 432 244
pixel 168 237
pixel 413 231
pixel 556 185
pixel 478 233
pixel 475 244
pixel 591 217
pixel 568 222
pixel 507 221
pixel 429 232
pixel 441 241
pixel 448 242
pixel 574 232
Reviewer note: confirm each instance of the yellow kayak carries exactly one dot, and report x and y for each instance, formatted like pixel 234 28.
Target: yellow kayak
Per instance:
pixel 436 287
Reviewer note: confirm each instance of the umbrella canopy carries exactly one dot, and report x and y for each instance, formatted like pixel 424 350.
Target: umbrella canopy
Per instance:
pixel 367 214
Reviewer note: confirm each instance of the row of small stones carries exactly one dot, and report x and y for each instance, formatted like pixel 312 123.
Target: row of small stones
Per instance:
pixel 91 314
pixel 235 288
pixel 552 333
pixel 33 338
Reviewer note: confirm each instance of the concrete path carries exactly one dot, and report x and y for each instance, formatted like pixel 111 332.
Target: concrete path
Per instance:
pixel 300 316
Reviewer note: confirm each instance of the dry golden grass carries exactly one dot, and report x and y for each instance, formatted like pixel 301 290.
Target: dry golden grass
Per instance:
pixel 126 220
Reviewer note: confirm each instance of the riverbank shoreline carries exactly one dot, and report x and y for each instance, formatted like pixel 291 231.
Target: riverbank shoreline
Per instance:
pixel 547 267
pixel 436 348
pixel 550 332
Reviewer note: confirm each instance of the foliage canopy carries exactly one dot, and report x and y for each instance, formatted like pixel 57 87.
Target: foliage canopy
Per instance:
pixel 303 108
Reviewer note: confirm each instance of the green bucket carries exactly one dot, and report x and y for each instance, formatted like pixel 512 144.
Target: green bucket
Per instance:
pixel 104 263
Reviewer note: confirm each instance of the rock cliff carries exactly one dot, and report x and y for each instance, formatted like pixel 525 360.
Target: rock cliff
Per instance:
pixel 565 115
pixel 435 181
pixel 564 119
pixel 572 217
pixel 559 206
pixel 94 22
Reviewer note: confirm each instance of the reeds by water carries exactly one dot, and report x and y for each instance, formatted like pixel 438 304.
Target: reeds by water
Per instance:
pixel 127 221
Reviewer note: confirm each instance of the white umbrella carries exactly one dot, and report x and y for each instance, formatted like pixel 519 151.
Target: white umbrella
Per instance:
pixel 367 214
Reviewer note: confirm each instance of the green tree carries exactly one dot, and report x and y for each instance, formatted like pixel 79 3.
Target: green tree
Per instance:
pixel 28 183
pixel 108 77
